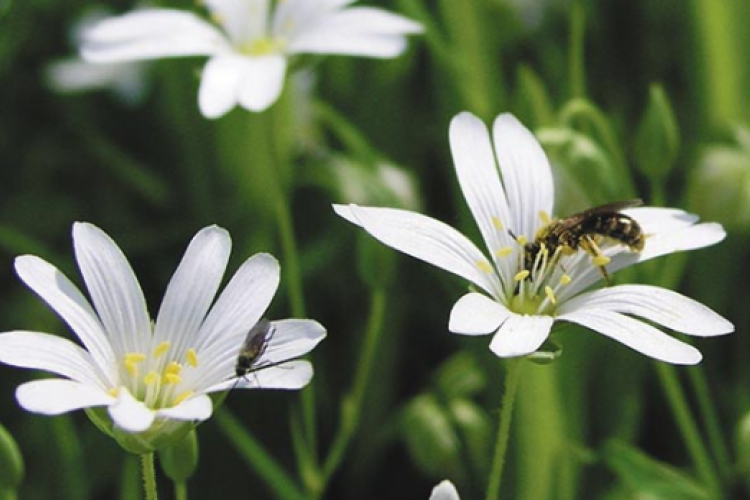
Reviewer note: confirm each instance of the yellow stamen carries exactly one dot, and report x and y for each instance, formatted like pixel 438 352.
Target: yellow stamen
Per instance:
pixel 173 367
pixel 484 266
pixel 151 378
pixel 131 362
pixel 522 275
pixel 545 217
pixel 171 378
pixel 550 294
pixel 601 260
pixel 503 252
pixel 192 357
pixel 162 348
pixel 182 397
pixel 522 240
pixel 114 392
pixel 565 279
pixel 497 223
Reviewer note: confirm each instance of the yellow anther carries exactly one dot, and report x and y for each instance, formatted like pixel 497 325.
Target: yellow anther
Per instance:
pixel 522 275
pixel 522 240
pixel 135 357
pixel 151 378
pixel 484 266
pixel 114 392
pixel 182 397
pixel 545 217
pixel 550 294
pixel 162 348
pixel 131 362
pixel 504 252
pixel 497 223
pixel 565 279
pixel 601 260
pixel 192 357
pixel 173 368
pixel 171 378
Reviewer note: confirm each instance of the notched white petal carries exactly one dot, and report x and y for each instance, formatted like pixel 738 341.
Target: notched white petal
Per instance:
pixel 635 334
pixel 521 335
pixel 130 414
pixel 293 338
pixel 219 89
pixel 476 314
pixel 262 82
pixel 57 396
pixel 662 306
pixel 195 408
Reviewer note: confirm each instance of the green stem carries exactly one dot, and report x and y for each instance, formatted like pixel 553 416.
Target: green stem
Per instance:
pixel 257 458
pixel 689 429
pixel 707 410
pixel 149 476
pixel 503 434
pixel 180 490
pixel 352 405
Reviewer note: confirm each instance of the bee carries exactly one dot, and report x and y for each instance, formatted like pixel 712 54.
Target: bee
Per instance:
pixel 253 348
pixel 585 230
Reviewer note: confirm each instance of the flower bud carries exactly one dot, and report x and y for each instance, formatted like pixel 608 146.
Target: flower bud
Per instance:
pixel 180 461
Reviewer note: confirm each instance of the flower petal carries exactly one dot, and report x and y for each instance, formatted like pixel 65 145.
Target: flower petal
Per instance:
pixel 151 34
pixel 243 20
pixel 635 334
pixel 477 314
pixel 56 396
pixel 67 301
pixel 526 174
pixel 54 354
pixel 479 178
pixel 291 375
pixel 239 307
pixel 426 239
pixel 114 289
pixel 668 308
pixel 521 335
pixel 192 288
pixel 220 84
pixel 130 414
pixel 198 407
pixel 291 339
pixel 444 491
pixel 362 31
pixel 262 82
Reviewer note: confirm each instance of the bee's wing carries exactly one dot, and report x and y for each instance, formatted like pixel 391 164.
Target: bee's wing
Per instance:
pixel 615 206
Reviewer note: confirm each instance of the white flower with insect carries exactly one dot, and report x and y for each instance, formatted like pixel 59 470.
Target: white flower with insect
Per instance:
pixel 539 270
pixel 146 383
pixel 249 43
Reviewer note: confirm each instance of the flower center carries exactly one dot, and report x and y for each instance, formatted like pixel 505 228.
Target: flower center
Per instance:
pixel 263 46
pixel 156 378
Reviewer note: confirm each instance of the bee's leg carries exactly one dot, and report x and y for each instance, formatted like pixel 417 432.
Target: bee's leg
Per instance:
pixel 597 257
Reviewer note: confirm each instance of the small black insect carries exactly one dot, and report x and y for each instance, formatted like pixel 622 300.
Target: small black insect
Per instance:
pixel 254 347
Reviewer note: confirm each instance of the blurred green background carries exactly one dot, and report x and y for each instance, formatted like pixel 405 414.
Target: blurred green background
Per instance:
pixel 629 98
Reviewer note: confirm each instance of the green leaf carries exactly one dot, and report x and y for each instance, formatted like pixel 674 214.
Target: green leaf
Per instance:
pixel 650 478
pixel 11 463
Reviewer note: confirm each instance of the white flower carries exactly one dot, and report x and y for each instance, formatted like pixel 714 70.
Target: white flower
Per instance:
pixel 153 378
pixel 444 491
pixel 518 307
pixel 248 51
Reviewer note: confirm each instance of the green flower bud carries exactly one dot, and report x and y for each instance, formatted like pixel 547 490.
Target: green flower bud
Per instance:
pixel 11 463
pixel 657 140
pixel 180 461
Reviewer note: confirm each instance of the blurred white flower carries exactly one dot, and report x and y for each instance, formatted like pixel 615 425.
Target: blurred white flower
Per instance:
pixel 519 305
pixel 248 50
pixel 444 491
pixel 153 378
pixel 126 79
